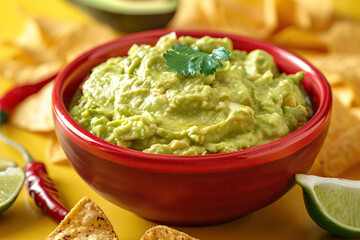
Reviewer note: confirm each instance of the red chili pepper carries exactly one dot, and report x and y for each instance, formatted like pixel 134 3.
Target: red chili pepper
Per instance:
pixel 12 98
pixel 43 190
pixel 40 186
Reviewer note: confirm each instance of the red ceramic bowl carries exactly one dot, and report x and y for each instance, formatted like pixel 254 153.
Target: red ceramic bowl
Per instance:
pixel 190 190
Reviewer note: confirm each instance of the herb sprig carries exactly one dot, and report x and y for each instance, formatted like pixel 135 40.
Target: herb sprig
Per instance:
pixel 186 60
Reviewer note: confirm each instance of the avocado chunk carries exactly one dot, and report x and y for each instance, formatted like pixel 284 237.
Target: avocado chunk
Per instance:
pixel 130 15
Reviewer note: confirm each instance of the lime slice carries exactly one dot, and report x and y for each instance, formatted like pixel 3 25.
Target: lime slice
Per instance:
pixel 333 203
pixel 11 181
pixel 5 163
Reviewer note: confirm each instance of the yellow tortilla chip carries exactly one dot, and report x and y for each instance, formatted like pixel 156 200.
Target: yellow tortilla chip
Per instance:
pixel 339 150
pixel 356 112
pixel 343 37
pixel 54 152
pixel 85 221
pixel 24 73
pixel 342 153
pixel 341 120
pixel 69 39
pixel 165 233
pixel 254 18
pixel 46 45
pixel 293 37
pixel 34 113
pixel 345 94
pixel 344 65
pixel 34 59
pixel 333 78
pixel 310 14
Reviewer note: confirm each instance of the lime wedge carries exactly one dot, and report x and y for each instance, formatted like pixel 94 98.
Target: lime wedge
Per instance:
pixel 333 203
pixel 11 181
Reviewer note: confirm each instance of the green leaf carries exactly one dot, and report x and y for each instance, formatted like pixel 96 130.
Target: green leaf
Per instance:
pixel 185 60
pixel 184 49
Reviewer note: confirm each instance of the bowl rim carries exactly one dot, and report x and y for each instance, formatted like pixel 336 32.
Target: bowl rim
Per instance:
pixel 264 153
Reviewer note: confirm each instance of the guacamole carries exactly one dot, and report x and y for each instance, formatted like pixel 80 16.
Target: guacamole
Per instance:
pixel 134 102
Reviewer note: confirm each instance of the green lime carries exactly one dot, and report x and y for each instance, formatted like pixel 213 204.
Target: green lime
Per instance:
pixel 333 203
pixel 5 163
pixel 11 181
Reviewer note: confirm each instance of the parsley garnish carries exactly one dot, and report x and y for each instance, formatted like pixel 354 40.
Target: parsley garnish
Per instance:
pixel 185 60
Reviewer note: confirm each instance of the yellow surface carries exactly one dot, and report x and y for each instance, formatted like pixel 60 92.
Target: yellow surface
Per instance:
pixel 285 219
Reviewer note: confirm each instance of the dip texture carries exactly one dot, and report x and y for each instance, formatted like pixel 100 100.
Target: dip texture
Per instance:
pixel 136 103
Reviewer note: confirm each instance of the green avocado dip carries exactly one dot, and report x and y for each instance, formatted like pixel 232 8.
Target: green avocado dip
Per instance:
pixel 134 102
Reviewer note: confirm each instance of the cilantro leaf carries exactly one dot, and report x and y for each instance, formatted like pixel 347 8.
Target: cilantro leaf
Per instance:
pixel 185 60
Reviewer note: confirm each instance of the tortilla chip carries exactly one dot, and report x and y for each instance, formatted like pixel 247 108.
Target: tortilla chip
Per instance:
pixel 311 14
pixel 356 112
pixel 346 95
pixel 341 120
pixel 342 153
pixel 54 152
pixel 46 45
pixel 34 59
pixel 344 65
pixel 293 37
pixel 34 113
pixel 85 221
pixel 343 37
pixel 333 78
pixel 337 153
pixel 69 39
pixel 254 18
pixel 165 233
pixel 24 73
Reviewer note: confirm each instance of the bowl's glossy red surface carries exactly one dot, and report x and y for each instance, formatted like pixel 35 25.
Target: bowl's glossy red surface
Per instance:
pixel 190 190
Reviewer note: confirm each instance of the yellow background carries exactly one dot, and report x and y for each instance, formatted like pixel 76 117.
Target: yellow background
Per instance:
pixel 285 219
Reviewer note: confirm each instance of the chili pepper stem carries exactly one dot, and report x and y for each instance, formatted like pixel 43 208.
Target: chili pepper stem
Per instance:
pixel 3 116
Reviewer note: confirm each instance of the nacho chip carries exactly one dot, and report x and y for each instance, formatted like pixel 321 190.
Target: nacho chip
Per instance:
pixel 342 153
pixel 69 39
pixel 33 60
pixel 54 152
pixel 336 154
pixel 46 45
pixel 333 78
pixel 341 120
pixel 165 233
pixel 85 221
pixel 343 37
pixel 295 38
pixel 34 113
pixel 345 94
pixel 254 18
pixel 24 73
pixel 344 65
pixel 311 14
pixel 356 112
